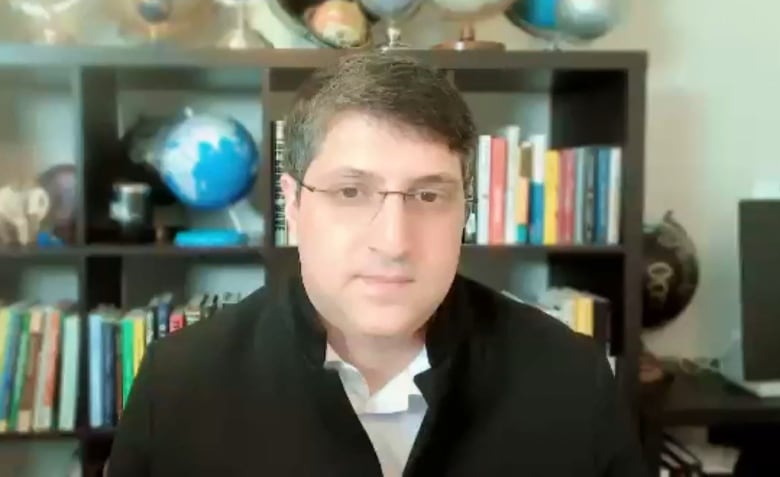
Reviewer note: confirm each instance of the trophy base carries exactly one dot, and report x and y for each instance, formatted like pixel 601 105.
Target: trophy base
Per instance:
pixel 242 39
pixel 393 47
pixel 462 45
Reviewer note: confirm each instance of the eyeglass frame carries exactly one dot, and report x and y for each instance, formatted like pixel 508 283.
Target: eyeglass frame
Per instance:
pixel 469 200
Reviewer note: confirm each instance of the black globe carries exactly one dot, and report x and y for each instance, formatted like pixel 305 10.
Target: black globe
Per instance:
pixel 671 272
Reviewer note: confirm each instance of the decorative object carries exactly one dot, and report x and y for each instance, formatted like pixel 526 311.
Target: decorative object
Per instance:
pixel 671 271
pixel 467 12
pixel 131 211
pixel 182 21
pixel 241 35
pixel 50 21
pixel 60 184
pixel 567 21
pixel 23 209
pixel 340 23
pixel 289 14
pixel 139 146
pixel 393 12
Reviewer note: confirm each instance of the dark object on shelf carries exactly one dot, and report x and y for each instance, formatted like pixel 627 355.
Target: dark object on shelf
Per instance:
pixel 651 369
pixel 60 183
pixel 671 273
pixel 138 146
pixel 131 210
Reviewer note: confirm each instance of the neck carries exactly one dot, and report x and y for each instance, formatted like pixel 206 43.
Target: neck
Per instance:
pixel 378 359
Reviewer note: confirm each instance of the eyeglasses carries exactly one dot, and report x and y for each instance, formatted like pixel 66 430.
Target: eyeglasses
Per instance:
pixel 361 201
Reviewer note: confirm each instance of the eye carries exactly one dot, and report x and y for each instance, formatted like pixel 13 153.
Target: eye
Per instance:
pixel 428 196
pixel 348 192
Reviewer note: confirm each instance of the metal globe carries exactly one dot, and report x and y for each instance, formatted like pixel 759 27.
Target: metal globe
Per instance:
pixel 567 21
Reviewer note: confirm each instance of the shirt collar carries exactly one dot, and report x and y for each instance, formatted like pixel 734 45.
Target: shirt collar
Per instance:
pixel 419 364
pixel 393 397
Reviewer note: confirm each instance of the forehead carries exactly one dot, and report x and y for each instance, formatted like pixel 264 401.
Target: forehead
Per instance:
pixel 382 149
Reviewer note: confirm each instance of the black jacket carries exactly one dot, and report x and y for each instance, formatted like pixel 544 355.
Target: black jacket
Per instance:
pixel 511 392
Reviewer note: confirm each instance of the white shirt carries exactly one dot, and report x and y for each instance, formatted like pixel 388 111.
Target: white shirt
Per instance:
pixel 391 416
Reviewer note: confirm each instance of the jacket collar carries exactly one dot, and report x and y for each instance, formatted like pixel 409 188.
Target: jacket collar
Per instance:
pixel 447 329
pixel 447 337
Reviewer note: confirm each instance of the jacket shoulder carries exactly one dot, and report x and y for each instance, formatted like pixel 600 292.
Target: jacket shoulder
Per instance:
pixel 521 331
pixel 204 348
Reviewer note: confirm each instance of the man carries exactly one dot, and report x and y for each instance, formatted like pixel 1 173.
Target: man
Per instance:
pixel 375 358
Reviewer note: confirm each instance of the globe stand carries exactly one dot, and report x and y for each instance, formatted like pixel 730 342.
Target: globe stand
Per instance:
pixel 214 237
pixel 468 41
pixel 241 36
pixel 394 41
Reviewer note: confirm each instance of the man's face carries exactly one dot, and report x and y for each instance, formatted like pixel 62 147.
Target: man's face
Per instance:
pixel 377 266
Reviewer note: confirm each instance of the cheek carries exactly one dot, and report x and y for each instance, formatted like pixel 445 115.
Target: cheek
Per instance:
pixel 440 244
pixel 318 234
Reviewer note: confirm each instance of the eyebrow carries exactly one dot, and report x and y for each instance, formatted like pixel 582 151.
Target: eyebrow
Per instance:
pixel 436 179
pixel 429 179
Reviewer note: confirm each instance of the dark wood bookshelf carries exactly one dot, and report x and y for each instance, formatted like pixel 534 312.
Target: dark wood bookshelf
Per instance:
pixel 698 398
pixel 705 398
pixel 596 97
pixel 38 436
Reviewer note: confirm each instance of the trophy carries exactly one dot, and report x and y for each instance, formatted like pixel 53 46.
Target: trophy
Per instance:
pixel 241 35
pixel 50 21
pixel 393 12
pixel 467 12
pixel 157 20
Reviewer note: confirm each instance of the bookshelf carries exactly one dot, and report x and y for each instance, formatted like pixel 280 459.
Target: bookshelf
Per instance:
pixel 591 97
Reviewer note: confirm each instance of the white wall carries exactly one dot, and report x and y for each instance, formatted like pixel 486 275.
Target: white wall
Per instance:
pixel 714 68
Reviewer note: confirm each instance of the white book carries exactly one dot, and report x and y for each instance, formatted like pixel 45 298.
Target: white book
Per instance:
pixel 613 200
pixel 483 188
pixel 512 134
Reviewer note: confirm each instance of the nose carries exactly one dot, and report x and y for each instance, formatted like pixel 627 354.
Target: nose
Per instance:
pixel 390 230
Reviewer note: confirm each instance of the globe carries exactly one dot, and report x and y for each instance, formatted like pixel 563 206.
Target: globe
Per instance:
pixel 572 21
pixel 207 161
pixel 390 8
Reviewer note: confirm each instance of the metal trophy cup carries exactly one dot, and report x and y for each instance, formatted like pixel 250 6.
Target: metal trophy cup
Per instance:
pixel 50 21
pixel 392 12
pixel 161 20
pixel 467 12
pixel 241 35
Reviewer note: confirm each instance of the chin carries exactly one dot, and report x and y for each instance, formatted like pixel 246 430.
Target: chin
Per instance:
pixel 386 323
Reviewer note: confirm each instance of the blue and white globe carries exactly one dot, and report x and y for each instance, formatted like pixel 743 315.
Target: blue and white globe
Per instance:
pixel 208 162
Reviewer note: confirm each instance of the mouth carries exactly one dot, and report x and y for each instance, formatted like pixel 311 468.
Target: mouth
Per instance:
pixel 386 280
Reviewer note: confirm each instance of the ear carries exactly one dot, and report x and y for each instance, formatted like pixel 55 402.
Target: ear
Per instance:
pixel 289 188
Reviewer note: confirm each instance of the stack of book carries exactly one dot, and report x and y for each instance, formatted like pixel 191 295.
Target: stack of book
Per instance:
pixel 39 367
pixel 118 338
pixel 526 192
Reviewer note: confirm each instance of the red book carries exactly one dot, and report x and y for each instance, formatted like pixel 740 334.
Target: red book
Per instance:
pixel 568 182
pixel 497 197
